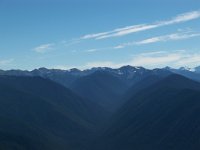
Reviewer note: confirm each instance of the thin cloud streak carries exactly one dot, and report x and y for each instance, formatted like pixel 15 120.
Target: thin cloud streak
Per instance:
pixel 91 50
pixel 163 38
pixel 44 48
pixel 70 42
pixel 124 31
pixel 6 62
pixel 97 49
pixel 142 27
pixel 170 37
pixel 154 59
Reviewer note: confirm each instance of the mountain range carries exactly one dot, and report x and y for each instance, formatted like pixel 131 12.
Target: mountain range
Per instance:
pixel 100 109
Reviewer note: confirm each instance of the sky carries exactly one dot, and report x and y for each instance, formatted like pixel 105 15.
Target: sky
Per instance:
pixel 64 34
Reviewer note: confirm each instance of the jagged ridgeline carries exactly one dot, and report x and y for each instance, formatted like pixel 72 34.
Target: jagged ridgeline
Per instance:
pixel 129 108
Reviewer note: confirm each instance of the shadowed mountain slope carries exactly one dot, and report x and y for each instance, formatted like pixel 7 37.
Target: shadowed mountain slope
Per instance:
pixel 163 116
pixel 102 88
pixel 39 114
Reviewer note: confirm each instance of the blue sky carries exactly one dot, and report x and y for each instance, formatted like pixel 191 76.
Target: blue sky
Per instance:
pixel 90 33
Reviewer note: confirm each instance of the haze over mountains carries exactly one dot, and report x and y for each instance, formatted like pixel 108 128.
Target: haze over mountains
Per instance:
pixel 100 109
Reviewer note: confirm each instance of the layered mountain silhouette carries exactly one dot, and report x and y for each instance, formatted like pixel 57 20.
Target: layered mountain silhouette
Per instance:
pixel 164 116
pixel 100 109
pixel 101 87
pixel 128 74
pixel 37 113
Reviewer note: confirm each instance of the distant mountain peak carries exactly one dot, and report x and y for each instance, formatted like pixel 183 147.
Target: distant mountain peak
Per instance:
pixel 130 67
pixel 74 70
pixel 167 68
pixel 197 69
pixel 186 69
pixel 43 68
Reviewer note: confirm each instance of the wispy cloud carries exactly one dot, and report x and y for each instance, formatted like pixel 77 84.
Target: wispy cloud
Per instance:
pixel 44 48
pixel 181 35
pixel 163 38
pixel 6 62
pixel 97 49
pixel 124 31
pixel 174 59
pixel 154 59
pixel 91 50
pixel 170 37
pixel 142 27
pixel 100 64
pixel 191 60
pixel 70 42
